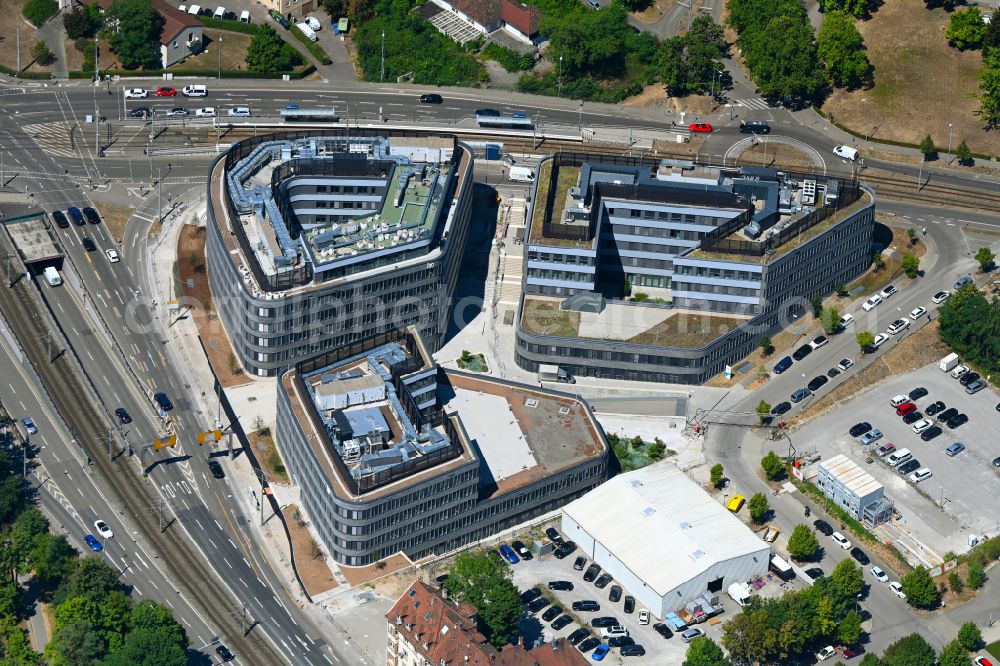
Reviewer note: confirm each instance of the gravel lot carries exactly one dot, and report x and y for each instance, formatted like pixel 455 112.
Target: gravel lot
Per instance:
pixel 941 512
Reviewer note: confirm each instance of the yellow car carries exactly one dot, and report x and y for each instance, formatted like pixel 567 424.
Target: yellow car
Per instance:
pixel 735 503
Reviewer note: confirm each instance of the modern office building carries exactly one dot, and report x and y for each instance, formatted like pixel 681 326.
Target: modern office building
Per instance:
pixel 637 521
pixel 395 454
pixel 666 271
pixel 425 628
pixel 320 239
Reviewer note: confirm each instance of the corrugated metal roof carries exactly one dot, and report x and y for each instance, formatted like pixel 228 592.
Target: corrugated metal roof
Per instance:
pixel 847 472
pixel 663 526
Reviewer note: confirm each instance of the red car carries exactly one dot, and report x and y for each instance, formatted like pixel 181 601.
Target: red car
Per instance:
pixel 905 409
pixel 166 92
pixel 850 652
pixel 703 128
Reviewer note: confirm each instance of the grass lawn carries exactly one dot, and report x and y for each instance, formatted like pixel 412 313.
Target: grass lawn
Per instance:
pixel 994 649
pixel 10 17
pixel 921 83
pixel 545 318
pixel 234 52
pixel 566 177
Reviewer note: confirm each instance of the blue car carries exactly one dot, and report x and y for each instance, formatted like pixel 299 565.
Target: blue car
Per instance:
pixel 600 652
pixel 29 425
pixel 94 544
pixel 291 107
pixel 509 554
pixel 77 216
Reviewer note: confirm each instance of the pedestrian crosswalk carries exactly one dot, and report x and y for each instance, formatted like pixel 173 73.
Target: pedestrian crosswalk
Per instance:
pixel 53 138
pixel 753 103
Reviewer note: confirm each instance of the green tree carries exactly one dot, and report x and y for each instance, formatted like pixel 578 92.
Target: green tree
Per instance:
pixel 17 649
pixel 132 28
pixel 829 318
pixel 39 11
pixel 763 411
pixel 992 37
pixel 772 465
pixel 766 345
pixel 976 576
pixel 90 578
pixel 267 52
pixel 749 639
pixel 588 42
pixel 954 654
pixel 840 289
pixel 911 266
pixel 636 5
pixel 802 545
pixel 878 261
pixel 76 610
pixel 41 53
pixel 969 636
pixel 919 588
pixel 147 614
pixel 955 582
pixel 847 581
pixel 716 474
pixel 911 234
pixel 985 257
pixel 147 647
pixel 29 527
pixel 927 148
pixel 80 22
pixel 865 340
pixel 870 660
pixel 482 581
pixel 855 8
pixel 783 59
pixel 759 508
pixel 841 50
pixel 966 29
pixel 911 650
pixel 703 651
pixel 75 644
pixel 656 450
pixel 963 154
pixel 849 629
pixel 52 558
pixel 816 303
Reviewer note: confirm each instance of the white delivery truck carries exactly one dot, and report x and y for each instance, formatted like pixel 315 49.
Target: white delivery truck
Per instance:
pixel 553 373
pixel 740 593
pixel 52 276
pixel 948 362
pixel 522 174
pixel 307 31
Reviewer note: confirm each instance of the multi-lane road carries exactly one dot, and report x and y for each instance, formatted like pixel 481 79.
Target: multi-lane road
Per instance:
pixel 48 149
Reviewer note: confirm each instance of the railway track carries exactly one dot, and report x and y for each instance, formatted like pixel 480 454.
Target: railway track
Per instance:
pixel 61 379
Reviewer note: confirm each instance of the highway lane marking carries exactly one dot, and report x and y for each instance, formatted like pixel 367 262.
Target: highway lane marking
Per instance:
pixel 213 543
pixel 138 557
pixel 141 594
pixel 216 522
pixel 200 526
pixel 235 532
pixel 92 359
pixel 60 307
pixel 244 583
pixel 154 584
pixel 231 541
pixel 229 565
pixel 287 646
pixel 106 380
pixel 327 658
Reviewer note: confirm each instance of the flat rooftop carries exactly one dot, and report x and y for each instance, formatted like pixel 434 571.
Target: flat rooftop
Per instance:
pixel 359 428
pixel 32 239
pixel 522 433
pixel 790 244
pixel 626 322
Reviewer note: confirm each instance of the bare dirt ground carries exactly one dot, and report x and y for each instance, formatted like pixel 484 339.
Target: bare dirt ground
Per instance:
pixel 655 96
pixel 921 83
pixel 655 11
pixel 315 575
pixel 115 218
pixel 10 18
pixel 191 266
pixel 775 155
pixel 234 52
pixel 383 568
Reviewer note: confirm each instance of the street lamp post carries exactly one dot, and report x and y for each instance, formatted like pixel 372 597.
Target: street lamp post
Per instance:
pixel 382 75
pixel 559 84
pixel 950 125
pixel 220 55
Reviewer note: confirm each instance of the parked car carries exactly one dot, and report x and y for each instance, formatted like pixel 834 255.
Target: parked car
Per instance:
pixel 963 281
pixel 975 387
pixel 897 589
pixel 885 449
pixel 588 644
pixel 643 617
pixel 832 372
pixel 602 581
pixel 781 408
pixel 592 572
pixel 521 550
pixel 947 414
pixel 691 634
pixel 908 466
pixel 968 378
pixel 880 575
pixel 934 408
pixel 563 550
pixel 940 297
pixel 860 555
pixel 880 340
pixel 629 605
pixel 509 554
pixel 561 622
pixel 802 352
pixel 871 303
pixel 818 341
pixel 889 290
pixel 912 417
pixel 922 425
pixel 871 436
pixel 815 573
pixel 957 420
pixel 554 536
pixel 841 540
pixel 917 312
pixel 538 604
pixel 663 630
pixel 530 595
pixel 604 621
pixel 859 429
pixel 313 23
pixel 898 326
pixel 905 409
pixel 918 393
pixel 845 363
pixel 823 527
pixel 577 636
pixel 562 585
pixel 851 652
pixel 826 653
pixel 800 395
pixel 816 383
pixel 782 365
pixel 579 563
pixel 615 594
pixel 846 321
pixel 633 650
pixel 588 605
pixel 930 433
pixel 600 652
pixel 921 474
pixel 954 449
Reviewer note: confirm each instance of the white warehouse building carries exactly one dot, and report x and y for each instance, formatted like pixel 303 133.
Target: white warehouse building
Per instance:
pixel 663 538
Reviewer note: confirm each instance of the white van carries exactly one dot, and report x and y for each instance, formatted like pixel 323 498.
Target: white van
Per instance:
pixel 846 152
pixel 52 276
pixel 307 31
pixel 219 12
pixel 194 9
pixel 898 458
pixel 195 90
pixel 522 174
pixel 244 16
pixel 207 112
pixel 239 112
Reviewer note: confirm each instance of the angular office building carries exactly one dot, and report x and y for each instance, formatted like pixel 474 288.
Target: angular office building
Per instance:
pixel 320 239
pixel 396 454
pixel 666 271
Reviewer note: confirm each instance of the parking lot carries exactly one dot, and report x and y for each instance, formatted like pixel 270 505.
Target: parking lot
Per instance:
pixel 540 570
pixel 960 498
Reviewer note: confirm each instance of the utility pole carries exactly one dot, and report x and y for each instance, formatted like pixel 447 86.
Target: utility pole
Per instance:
pixel 382 75
pixel 159 196
pixel 920 172
pixel 220 55
pixel 950 125
pixel 17 74
pixel 559 88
